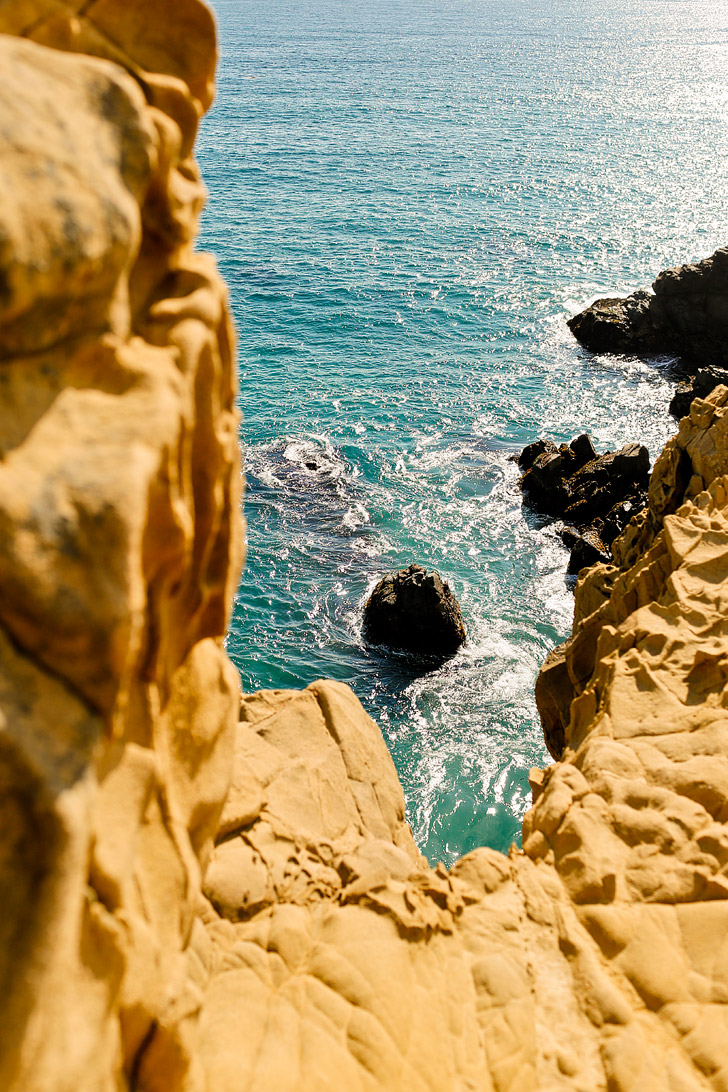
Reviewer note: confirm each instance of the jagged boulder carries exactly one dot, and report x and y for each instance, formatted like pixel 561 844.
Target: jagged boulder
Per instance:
pixel 576 483
pixel 594 489
pixel 414 611
pixel 597 494
pixel 533 451
pixel 615 325
pixel 548 470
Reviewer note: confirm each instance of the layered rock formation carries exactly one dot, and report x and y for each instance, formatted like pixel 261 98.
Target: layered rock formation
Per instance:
pixel 201 894
pixel 120 541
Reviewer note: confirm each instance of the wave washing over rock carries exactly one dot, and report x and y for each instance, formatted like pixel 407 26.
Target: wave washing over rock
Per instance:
pixel 203 893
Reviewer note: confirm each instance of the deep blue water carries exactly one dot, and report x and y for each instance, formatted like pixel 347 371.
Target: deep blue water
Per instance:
pixel 407 201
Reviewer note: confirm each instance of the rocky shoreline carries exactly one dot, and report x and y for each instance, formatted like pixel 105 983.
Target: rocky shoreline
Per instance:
pixel 208 891
pixel 595 495
pixel 685 315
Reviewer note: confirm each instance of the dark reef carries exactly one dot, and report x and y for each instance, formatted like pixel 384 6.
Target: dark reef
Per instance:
pixel 596 495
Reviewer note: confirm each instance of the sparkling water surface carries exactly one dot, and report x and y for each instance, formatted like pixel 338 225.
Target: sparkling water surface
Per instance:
pixel 407 201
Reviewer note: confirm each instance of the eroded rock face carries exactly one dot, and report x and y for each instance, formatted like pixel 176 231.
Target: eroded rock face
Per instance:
pixel 202 894
pixel 414 611
pixel 120 541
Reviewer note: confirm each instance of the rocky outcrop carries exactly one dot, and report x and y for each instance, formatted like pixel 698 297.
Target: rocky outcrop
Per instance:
pixel 617 325
pixel 201 893
pixel 596 495
pixel 558 484
pixel 414 611
pixel 685 314
pixel 686 474
pixel 120 541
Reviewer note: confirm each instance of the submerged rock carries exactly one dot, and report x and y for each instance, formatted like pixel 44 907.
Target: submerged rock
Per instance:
pixel 414 611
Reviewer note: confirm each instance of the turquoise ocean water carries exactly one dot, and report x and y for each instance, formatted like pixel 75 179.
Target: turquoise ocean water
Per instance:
pixel 407 201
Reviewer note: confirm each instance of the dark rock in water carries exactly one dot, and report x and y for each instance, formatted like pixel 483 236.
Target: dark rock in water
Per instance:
pixel 586 548
pixel 414 611
pixel 615 325
pixel 687 314
pixel 580 485
pixel 701 385
pixel 599 494
pixel 531 452
pixel 311 465
pixel 606 480
pixel 583 450
pixel 569 536
pixel 544 482
pixel 548 469
pixel 552 462
pixel 619 516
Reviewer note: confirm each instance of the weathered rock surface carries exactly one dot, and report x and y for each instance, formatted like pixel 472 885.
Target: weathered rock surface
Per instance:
pixel 414 611
pixel 617 325
pixel 548 470
pixel 685 471
pixel 533 451
pixel 199 894
pixel 686 314
pixel 120 542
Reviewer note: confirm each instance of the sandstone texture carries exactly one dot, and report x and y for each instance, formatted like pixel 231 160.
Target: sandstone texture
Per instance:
pixel 414 611
pixel 203 893
pixel 120 541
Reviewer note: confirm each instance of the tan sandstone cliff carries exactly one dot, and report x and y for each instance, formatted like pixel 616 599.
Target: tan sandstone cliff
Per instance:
pixel 201 894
